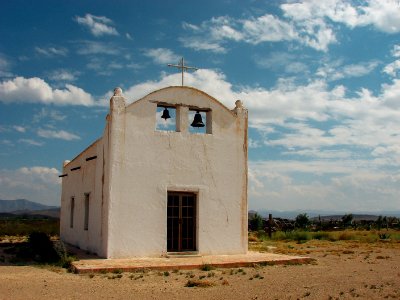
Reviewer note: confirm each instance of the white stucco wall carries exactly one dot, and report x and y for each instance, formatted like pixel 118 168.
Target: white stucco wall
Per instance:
pixel 149 163
pixel 77 183
pixel 137 165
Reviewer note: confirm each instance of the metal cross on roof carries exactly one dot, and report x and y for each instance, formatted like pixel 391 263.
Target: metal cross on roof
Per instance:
pixel 182 66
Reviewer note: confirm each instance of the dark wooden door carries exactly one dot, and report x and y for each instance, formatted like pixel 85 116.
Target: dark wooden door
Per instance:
pixel 181 222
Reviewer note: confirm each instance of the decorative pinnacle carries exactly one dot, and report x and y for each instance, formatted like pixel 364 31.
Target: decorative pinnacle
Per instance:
pixel 117 91
pixel 239 104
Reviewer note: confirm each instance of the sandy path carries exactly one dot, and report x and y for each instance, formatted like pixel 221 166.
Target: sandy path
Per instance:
pixel 343 271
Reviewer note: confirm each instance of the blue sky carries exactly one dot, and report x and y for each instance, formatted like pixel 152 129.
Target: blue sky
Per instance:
pixel 321 80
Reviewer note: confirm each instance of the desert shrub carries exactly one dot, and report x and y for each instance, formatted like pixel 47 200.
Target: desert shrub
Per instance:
pixel 384 236
pixel 253 238
pixel 207 267
pixel 42 248
pixel 199 283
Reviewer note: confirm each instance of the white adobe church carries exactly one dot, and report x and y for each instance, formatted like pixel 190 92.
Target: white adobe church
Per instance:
pixel 139 191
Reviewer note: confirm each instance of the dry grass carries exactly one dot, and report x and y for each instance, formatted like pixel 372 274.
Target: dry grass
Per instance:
pixel 338 242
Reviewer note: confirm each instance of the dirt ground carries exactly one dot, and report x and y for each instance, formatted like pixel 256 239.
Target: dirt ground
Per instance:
pixel 342 270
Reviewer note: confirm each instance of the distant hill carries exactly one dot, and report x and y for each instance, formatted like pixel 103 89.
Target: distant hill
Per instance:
pixel 327 214
pixel 7 206
pixel 356 217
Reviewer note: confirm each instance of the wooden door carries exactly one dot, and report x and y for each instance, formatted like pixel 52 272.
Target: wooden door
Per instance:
pixel 181 222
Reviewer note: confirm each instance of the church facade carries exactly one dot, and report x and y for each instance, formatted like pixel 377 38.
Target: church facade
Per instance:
pixel 143 191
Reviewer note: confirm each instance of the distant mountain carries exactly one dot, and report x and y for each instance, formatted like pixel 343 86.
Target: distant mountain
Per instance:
pixel 22 205
pixel 356 217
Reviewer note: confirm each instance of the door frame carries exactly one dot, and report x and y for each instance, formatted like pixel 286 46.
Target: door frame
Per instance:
pixel 180 222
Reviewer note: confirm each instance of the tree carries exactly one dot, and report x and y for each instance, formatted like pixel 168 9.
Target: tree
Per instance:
pixel 302 221
pixel 347 220
pixel 379 222
pixel 256 222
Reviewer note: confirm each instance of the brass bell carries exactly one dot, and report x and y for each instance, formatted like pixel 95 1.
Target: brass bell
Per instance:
pixel 197 120
pixel 165 114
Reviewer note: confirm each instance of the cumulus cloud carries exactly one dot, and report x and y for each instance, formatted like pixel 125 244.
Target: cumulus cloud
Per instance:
pixel 365 120
pixel 98 25
pixel 36 90
pixel 161 55
pixel 37 183
pixel 213 34
pixel 57 134
pixel 310 23
pixel 382 14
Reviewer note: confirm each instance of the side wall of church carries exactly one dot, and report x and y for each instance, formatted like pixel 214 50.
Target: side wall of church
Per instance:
pixel 82 221
pixel 149 163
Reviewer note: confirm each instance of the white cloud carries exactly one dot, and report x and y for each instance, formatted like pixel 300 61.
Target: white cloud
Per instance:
pixel 268 28
pixel 290 63
pixel 91 47
pixel 128 36
pixel 63 75
pixel 5 66
pixel 311 23
pixel 98 25
pixel 382 14
pixel 19 128
pixel 36 183
pixel 57 134
pixel 106 67
pixel 347 185
pixel 396 51
pixel 213 34
pixel 335 70
pixel 52 51
pixel 36 90
pixel 51 114
pixel 305 118
pixel 30 142
pixel 161 55
pixel 202 44
pixel 392 68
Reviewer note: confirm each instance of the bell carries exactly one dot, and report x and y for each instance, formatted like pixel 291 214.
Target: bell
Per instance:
pixel 165 114
pixel 197 120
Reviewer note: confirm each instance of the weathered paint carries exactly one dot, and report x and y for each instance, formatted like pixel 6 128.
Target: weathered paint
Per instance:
pixel 137 165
